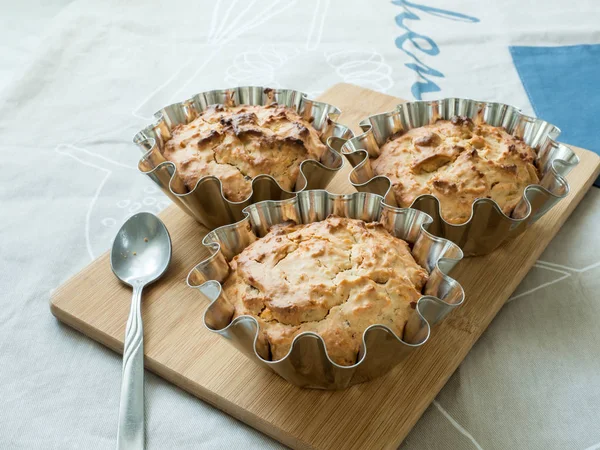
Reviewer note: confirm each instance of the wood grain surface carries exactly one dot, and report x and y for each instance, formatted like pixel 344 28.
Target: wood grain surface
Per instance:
pixel 378 414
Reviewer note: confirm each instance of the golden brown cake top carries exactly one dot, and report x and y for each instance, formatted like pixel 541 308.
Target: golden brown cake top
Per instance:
pixel 458 162
pixel 335 277
pixel 237 143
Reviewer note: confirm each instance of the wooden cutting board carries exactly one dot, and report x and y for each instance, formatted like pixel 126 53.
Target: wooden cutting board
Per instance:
pixel 378 414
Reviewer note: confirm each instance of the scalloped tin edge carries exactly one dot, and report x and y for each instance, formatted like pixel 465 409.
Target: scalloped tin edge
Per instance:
pixel 553 175
pixel 219 211
pixel 448 256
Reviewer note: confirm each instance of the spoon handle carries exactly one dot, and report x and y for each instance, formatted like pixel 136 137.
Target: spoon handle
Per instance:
pixel 130 434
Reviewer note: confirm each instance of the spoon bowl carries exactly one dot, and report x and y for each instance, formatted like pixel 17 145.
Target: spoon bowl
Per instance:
pixel 141 250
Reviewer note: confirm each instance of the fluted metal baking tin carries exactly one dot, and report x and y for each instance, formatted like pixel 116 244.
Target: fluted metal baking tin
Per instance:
pixel 488 226
pixel 308 364
pixel 206 202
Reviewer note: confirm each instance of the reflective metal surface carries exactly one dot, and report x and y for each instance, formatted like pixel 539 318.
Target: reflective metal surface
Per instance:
pixel 206 202
pixel 488 226
pixel 140 254
pixel 308 364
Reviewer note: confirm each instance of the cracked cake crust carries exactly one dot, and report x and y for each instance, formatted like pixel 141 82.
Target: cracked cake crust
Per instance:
pixel 458 162
pixel 335 278
pixel 237 143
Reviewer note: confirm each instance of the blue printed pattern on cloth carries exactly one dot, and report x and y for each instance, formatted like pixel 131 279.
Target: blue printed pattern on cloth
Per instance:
pixel 422 43
pixel 563 86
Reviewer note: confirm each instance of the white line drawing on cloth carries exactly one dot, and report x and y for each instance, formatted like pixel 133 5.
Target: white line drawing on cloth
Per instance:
pixel 171 83
pixel 572 269
pixel 457 425
pixel 230 19
pixel 566 272
pixel 225 27
pixel 259 67
pixel 362 67
pixel 62 149
pixel 317 24
pixel 152 201
pixel 254 13
pixel 106 133
pixel 543 285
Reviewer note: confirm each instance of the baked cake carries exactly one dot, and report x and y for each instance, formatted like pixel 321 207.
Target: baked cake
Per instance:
pixel 237 143
pixel 335 278
pixel 458 162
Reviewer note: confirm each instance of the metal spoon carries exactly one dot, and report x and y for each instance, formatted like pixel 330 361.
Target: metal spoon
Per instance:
pixel 140 254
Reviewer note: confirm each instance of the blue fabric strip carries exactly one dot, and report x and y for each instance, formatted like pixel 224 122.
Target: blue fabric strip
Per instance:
pixel 563 85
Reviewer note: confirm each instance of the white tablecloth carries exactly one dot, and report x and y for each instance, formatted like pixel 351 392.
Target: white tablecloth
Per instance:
pixel 77 79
